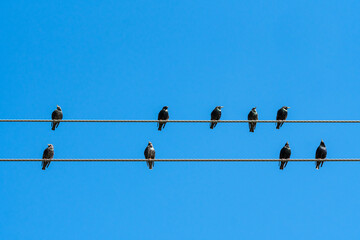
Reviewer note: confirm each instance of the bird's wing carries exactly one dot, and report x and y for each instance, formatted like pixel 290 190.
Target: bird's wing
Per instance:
pixel 250 115
pixel 46 153
pixel 285 153
pixel 213 114
pixel 324 152
pixel 318 153
pixel 146 152
pixel 161 115
pixel 279 114
pixel 57 114
pixel 285 115
pixel 282 153
pixel 153 153
pixel 53 115
pixel 166 115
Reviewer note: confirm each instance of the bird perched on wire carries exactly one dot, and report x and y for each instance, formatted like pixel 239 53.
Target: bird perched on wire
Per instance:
pixel 215 115
pixel 163 116
pixel 48 155
pixel 281 115
pixel 149 154
pixel 56 115
pixel 321 153
pixel 253 115
pixel 285 153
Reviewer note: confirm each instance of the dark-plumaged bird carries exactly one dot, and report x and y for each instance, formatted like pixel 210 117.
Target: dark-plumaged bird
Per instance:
pixel 48 154
pixel 281 115
pixel 285 153
pixel 56 115
pixel 215 115
pixel 149 154
pixel 321 153
pixel 253 115
pixel 164 116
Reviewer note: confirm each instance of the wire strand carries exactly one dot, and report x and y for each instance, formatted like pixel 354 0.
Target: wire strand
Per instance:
pixel 180 121
pixel 183 160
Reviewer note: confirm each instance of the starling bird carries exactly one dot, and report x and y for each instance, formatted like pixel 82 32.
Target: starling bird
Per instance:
pixel 163 115
pixel 149 154
pixel 48 154
pixel 215 115
pixel 253 115
pixel 56 115
pixel 321 153
pixel 285 153
pixel 281 115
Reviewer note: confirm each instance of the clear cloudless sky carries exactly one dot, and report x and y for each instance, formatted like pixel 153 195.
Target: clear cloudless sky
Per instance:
pixel 128 59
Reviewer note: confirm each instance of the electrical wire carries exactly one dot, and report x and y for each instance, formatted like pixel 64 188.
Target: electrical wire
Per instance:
pixel 181 121
pixel 182 160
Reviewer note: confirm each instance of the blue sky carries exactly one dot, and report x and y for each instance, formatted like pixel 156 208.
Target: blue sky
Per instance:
pixel 127 59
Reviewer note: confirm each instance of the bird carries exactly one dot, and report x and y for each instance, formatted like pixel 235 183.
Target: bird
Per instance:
pixel 321 153
pixel 56 115
pixel 215 115
pixel 281 115
pixel 285 153
pixel 48 154
pixel 164 116
pixel 149 154
pixel 253 115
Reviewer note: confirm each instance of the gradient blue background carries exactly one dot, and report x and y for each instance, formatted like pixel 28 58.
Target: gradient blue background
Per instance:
pixel 127 59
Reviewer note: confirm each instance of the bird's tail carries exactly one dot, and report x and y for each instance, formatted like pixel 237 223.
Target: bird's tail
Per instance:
pixel 43 164
pixel 278 126
pixel 53 126
pixel 212 125
pixel 281 165
pixel 252 127
pixel 160 126
pixel 317 165
pixel 150 164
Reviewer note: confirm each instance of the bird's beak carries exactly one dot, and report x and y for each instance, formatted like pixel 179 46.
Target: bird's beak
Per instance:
pixel 288 107
pixel 221 106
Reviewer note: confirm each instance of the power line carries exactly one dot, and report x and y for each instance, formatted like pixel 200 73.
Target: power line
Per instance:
pixel 180 121
pixel 183 160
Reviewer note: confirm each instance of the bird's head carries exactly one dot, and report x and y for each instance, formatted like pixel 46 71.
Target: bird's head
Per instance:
pixel 322 143
pixel 219 107
pixel 50 146
pixel 165 107
pixel 253 109
pixel 150 144
pixel 58 107
pixel 285 107
pixel 287 144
